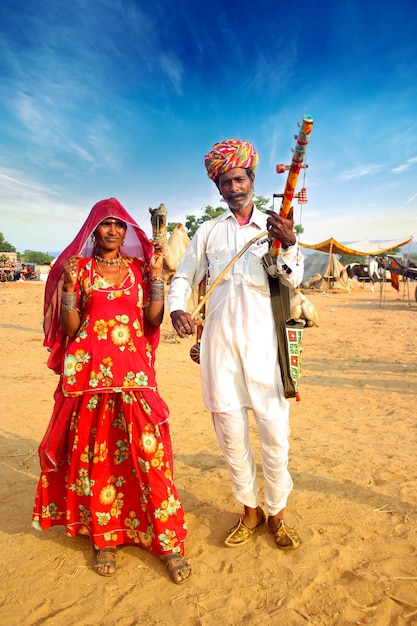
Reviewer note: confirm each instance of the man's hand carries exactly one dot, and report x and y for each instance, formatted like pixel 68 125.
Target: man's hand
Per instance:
pixel 182 323
pixel 281 228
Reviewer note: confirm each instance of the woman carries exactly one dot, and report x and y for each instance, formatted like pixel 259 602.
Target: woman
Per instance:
pixel 106 457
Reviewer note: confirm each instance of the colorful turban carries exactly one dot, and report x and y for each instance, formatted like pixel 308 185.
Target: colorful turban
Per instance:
pixel 228 154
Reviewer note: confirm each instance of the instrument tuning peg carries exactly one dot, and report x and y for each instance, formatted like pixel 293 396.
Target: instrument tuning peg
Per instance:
pixel 281 168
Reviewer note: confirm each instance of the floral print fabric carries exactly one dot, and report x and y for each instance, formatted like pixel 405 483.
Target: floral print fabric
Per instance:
pixel 114 481
pixel 110 350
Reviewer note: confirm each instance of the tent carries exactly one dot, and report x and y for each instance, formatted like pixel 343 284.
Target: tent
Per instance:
pixel 359 248
pixel 335 274
pixel 325 272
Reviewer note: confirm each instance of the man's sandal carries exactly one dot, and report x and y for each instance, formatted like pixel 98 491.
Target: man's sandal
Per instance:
pixel 286 538
pixel 241 533
pixel 177 567
pixel 105 564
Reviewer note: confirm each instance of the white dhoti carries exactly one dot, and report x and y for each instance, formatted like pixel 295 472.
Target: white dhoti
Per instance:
pixel 232 430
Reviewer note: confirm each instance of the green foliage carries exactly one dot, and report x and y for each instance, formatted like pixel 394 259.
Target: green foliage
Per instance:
pixel 192 222
pixel 261 203
pixel 40 258
pixel 346 259
pixel 299 229
pixel 5 246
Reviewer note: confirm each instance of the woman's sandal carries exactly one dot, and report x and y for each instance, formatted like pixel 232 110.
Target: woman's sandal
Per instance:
pixel 241 533
pixel 286 538
pixel 105 564
pixel 177 565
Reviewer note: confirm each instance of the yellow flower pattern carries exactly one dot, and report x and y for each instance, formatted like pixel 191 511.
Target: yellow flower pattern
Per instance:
pixel 114 482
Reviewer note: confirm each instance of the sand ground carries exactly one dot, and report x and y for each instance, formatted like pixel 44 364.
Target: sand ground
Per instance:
pixel 352 458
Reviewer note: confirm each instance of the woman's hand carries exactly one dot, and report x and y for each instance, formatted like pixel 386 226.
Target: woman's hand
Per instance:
pixel 157 260
pixel 71 271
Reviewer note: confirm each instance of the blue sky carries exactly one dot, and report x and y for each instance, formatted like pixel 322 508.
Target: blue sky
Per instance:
pixel 103 98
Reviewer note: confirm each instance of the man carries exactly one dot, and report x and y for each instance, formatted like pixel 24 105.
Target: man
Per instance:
pixel 238 357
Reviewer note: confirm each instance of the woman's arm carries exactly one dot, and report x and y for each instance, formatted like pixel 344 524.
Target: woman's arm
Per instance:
pixel 70 316
pixel 154 312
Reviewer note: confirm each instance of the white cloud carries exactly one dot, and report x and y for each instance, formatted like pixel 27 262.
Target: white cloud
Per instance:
pixel 405 166
pixel 360 171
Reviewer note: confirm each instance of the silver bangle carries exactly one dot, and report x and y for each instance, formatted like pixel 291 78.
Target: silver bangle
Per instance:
pixel 69 301
pixel 157 293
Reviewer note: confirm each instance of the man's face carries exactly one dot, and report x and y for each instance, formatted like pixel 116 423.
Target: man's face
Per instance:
pixel 236 187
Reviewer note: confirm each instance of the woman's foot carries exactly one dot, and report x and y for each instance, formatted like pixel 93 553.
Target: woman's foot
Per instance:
pixel 105 564
pixel 178 567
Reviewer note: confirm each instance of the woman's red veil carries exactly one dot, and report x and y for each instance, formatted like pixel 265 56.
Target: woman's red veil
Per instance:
pixel 136 245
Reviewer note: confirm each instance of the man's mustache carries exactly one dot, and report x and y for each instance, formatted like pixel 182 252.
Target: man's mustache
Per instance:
pixel 236 194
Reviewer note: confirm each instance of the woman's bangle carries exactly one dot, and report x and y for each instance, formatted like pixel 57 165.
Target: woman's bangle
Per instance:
pixel 157 279
pixel 157 291
pixel 69 301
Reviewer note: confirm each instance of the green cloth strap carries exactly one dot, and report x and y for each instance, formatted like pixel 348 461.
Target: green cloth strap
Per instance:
pixel 280 301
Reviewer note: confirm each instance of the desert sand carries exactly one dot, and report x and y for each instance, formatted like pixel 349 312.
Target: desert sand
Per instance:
pixel 352 458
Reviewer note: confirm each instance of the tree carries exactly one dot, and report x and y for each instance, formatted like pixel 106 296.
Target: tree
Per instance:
pixel 192 222
pixel 261 203
pixel 299 229
pixel 5 246
pixel 40 258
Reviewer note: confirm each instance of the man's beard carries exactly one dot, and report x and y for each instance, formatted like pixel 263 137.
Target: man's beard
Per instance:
pixel 236 198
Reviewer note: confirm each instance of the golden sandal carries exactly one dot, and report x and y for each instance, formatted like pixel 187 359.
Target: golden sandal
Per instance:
pixel 286 538
pixel 241 533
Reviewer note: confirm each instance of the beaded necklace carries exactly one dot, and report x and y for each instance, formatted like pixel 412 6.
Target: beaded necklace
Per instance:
pixel 116 282
pixel 116 261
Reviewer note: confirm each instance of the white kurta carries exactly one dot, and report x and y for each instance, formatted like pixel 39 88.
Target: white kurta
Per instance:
pixel 238 358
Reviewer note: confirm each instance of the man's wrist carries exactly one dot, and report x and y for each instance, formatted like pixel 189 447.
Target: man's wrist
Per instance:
pixel 291 245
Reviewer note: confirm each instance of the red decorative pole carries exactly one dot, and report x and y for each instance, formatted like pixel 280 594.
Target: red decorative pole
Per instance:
pixel 293 173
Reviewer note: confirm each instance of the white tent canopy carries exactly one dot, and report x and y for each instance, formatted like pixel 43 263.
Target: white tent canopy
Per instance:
pixel 358 248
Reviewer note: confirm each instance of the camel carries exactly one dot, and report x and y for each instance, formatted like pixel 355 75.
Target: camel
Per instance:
pixel 177 244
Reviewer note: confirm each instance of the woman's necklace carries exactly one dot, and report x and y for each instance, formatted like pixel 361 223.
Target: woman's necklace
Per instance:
pixel 112 262
pixel 116 261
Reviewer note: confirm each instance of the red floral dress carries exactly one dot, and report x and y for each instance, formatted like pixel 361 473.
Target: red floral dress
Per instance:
pixel 113 478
